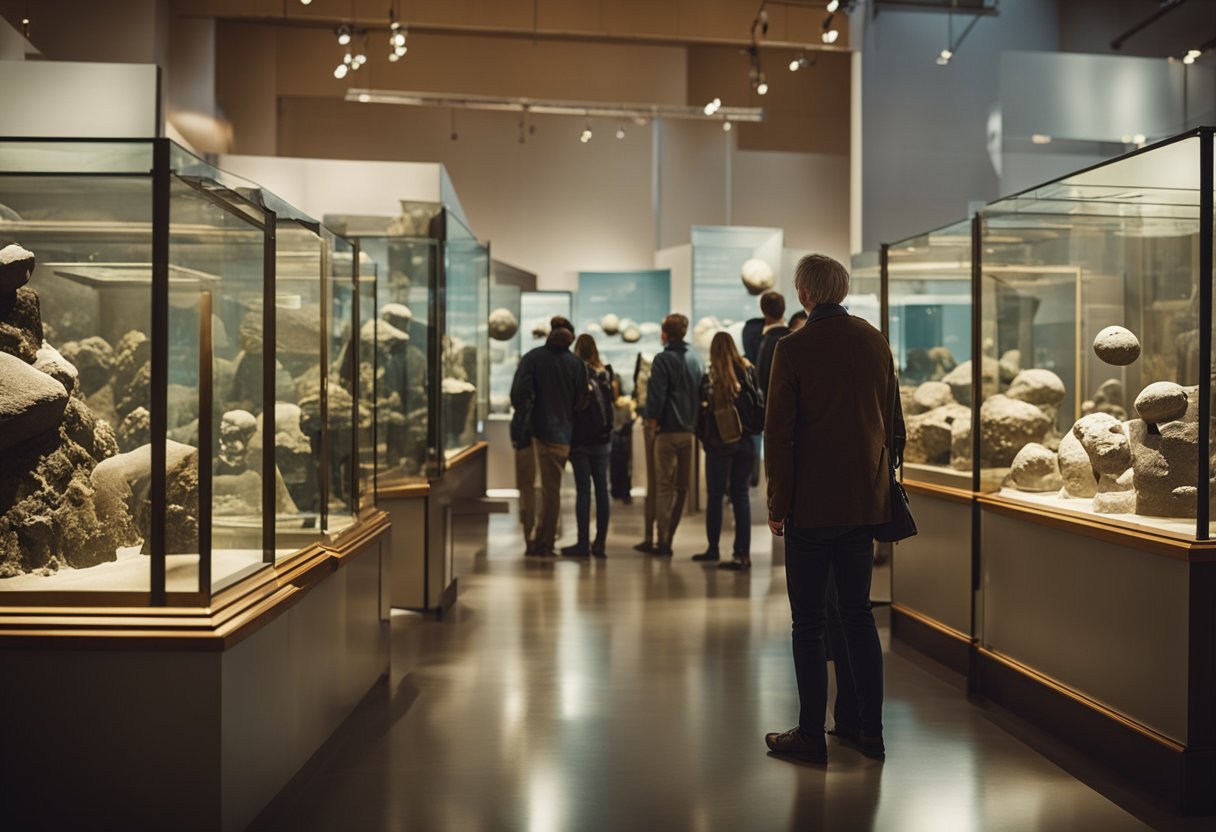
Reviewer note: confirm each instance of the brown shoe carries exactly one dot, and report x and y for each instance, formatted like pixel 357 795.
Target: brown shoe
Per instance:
pixel 795 743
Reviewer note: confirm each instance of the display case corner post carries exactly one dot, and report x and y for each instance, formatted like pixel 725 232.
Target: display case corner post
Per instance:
pixel 1206 276
pixel 977 344
pixel 206 411
pixel 884 294
pixel 356 362
pixel 438 281
pixel 326 277
pixel 159 381
pixel 269 342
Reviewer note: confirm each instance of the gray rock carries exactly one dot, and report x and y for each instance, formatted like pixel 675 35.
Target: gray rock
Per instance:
pixel 93 359
pixel 135 429
pixel 1038 387
pixel 1161 401
pixel 397 314
pixel 503 324
pixel 1117 345
pixel 757 276
pixel 1165 466
pixel 132 352
pixel 31 402
pixel 49 361
pixel 16 268
pixel 21 324
pixel 1076 469
pixel 959 379
pixel 1105 440
pixel 1006 425
pixel 960 445
pixel 1035 468
pixel 930 434
pixel 86 430
pixel 1115 502
pixel 932 394
pixel 1010 364
pixel 631 335
pixel 126 480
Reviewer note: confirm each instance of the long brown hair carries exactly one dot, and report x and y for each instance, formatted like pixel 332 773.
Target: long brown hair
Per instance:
pixel 725 367
pixel 585 348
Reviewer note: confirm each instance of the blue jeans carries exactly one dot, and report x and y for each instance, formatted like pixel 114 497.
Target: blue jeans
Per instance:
pixel 728 473
pixel 590 464
pixel 847 554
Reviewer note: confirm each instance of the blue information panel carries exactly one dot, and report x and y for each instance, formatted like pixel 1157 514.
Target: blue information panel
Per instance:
pixel 720 298
pixel 623 311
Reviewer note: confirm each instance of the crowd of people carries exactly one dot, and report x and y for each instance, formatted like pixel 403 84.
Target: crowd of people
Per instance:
pixel 821 392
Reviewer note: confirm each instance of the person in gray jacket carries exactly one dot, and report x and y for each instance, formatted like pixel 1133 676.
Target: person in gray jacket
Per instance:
pixel 672 403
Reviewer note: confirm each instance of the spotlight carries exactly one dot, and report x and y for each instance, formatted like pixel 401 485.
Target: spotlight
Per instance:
pixel 348 58
pixel 364 98
pixel 726 125
pixel 830 33
pixel 830 36
pixel 763 21
pixel 1139 140
pixel 340 71
pixel 586 134
pixel 1191 55
pixel 343 35
pixel 762 86
pixel 944 57
pixel 833 5
pixel 799 63
pixel 397 39
pixel 620 132
pixel 713 106
pixel 305 2
pixel 394 57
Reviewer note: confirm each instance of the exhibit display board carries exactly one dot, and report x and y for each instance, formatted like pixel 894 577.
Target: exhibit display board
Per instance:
pixel 624 311
pixel 731 267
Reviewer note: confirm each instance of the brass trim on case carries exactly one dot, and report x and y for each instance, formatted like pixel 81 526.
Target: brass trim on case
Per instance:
pixel 932 623
pixel 466 455
pixel 944 492
pixel 406 490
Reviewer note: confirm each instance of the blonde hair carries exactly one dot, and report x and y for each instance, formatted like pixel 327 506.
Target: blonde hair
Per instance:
pixel 821 279
pixel 585 348
pixel 725 366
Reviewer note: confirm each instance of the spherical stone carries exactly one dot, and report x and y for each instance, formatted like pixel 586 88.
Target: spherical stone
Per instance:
pixel 930 435
pixel 1161 401
pixel 540 328
pixel 51 362
pixel 932 394
pixel 631 335
pixel 1006 425
pixel 611 324
pixel 1036 468
pixel 1076 469
pixel 31 402
pixel 16 268
pixel 757 276
pixel 1117 345
pixel 503 324
pixel 1038 387
pixel 1106 442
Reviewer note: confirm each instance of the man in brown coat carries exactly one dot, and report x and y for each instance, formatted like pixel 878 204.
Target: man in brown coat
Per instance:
pixel 832 415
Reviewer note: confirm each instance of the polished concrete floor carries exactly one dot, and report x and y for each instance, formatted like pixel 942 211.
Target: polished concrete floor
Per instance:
pixel 634 694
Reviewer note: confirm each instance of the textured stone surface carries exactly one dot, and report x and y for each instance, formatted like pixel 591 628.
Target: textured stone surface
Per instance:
pixel 1161 401
pixel 930 434
pixel 631 334
pixel 1035 468
pixel 21 324
pixel 1037 387
pixel 1010 365
pixel 383 333
pixel 1076 469
pixel 1005 426
pixel 932 394
pixel 1115 502
pixel 959 379
pixel 503 324
pixel 94 361
pixel 135 429
pixel 1105 440
pixel 757 277
pixel 960 445
pixel 86 430
pixel 49 361
pixel 397 314
pixel 610 323
pixel 31 402
pixel 1165 466
pixel 1117 345
pixel 126 479
pixel 132 352
pixel 16 268
pixel 1109 398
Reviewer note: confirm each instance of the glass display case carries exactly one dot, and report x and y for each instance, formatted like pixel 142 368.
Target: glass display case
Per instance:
pixel 731 267
pixel 624 311
pixel 865 288
pixel 927 286
pixel 152 310
pixel 465 383
pixel 505 340
pixel 1096 330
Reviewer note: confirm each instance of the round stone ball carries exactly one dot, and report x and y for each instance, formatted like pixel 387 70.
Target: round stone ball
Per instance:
pixel 1161 401
pixel 503 324
pixel 757 276
pixel 631 334
pixel 1117 345
pixel 611 324
pixel 16 268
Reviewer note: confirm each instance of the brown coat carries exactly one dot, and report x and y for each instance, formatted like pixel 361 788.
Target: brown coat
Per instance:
pixel 826 430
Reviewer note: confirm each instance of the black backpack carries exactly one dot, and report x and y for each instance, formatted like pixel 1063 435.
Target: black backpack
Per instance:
pixel 750 404
pixel 593 424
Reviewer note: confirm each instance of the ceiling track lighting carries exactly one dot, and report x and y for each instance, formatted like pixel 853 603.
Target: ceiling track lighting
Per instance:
pixel 830 33
pixel 952 45
pixel 713 106
pixel 833 5
pixel 800 62
pixel 585 136
pixel 344 33
pixel 305 2
pixel 1199 51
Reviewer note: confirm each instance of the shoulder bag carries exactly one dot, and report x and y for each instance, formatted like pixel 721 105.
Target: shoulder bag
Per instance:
pixel 902 524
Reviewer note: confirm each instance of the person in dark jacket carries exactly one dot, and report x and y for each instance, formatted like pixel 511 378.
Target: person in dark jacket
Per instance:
pixel 773 305
pixel 728 460
pixel 590 448
pixel 672 403
pixel 831 434
pixel 550 384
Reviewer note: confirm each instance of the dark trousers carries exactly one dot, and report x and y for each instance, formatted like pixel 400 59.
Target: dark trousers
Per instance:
pixel 727 473
pixel 811 557
pixel 590 463
pixel 845 710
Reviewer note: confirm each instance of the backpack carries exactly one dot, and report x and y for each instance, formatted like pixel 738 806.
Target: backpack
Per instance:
pixel 593 424
pixel 750 405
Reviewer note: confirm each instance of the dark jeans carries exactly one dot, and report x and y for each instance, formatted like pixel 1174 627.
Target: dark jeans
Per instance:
pixel 590 464
pixel 727 473
pixel 845 553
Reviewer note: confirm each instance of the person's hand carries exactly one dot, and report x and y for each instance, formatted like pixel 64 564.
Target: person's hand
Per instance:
pixel 777 527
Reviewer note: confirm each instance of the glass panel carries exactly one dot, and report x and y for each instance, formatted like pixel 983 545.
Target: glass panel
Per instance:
pixel 865 288
pixel 535 309
pixel 465 338
pixel 929 322
pixel 370 415
pixel 623 311
pixel 731 267
pixel 342 356
pixel 505 338
pixel 133 158
pixel 1113 247
pixel 74 511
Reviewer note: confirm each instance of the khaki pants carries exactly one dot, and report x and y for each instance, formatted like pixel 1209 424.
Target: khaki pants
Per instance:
pixel 673 473
pixel 652 487
pixel 525 481
pixel 551 461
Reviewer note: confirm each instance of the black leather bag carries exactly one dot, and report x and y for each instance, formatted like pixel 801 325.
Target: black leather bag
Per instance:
pixel 902 524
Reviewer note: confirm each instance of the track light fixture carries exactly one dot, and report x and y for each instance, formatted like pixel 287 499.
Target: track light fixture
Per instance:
pixel 830 32
pixel 833 5
pixel 799 63
pixel 713 106
pixel 762 85
pixel 1191 55
pixel 586 134
pixel 305 2
pixel 952 45
pixel 344 35
pixel 341 69
pixel 620 130
pixel 944 57
pixel 726 126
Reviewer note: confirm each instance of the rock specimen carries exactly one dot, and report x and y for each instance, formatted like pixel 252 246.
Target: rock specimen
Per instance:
pixel 1117 345
pixel 31 402
pixel 1161 401
pixel 20 324
pixel 930 434
pixel 1165 464
pixel 932 394
pixel 540 329
pixel 611 324
pixel 1038 387
pixel 1076 469
pixel 135 429
pixel 631 335
pixel 1005 426
pixel 1106 442
pixel 400 315
pixel 959 379
pixel 123 483
pixel 1010 364
pixel 757 276
pixel 93 359
pixel 16 268
pixel 49 361
pixel 1109 398
pixel 503 324
pixel 293 451
pixel 1035 468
